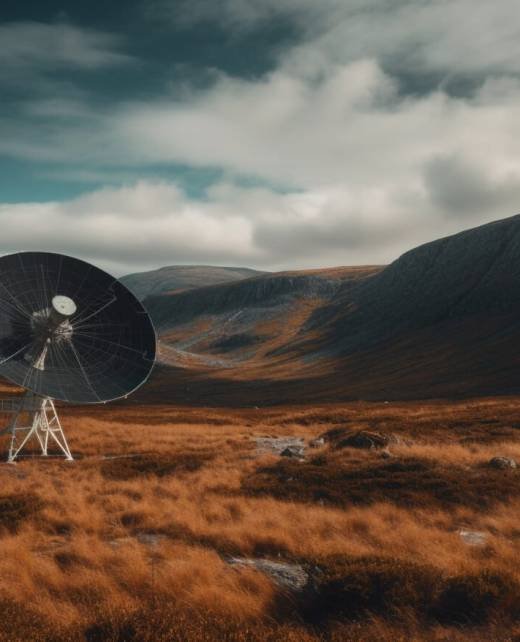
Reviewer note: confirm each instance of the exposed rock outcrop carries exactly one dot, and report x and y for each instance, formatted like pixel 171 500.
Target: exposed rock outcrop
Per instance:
pixel 503 463
pixel 289 576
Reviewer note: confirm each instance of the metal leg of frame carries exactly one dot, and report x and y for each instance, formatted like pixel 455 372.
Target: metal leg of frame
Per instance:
pixel 44 423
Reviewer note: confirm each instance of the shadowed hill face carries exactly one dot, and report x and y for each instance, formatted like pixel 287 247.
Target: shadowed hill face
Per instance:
pixel 442 320
pixel 182 277
pixel 476 272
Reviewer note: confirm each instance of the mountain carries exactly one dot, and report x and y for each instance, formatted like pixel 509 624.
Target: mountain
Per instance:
pixel 182 277
pixel 442 320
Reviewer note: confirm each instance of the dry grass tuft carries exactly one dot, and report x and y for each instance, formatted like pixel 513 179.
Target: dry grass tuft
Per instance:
pixel 16 508
pixel 477 598
pixel 407 481
pixel 366 587
pixel 153 464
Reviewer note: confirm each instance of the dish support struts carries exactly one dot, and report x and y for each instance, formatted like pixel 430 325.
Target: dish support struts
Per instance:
pixel 35 418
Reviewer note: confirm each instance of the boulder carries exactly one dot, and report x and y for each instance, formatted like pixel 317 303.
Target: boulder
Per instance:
pixel 293 451
pixel 289 576
pixel 347 438
pixel 277 445
pixel 472 538
pixel 502 463
pixel 365 440
pixel 317 443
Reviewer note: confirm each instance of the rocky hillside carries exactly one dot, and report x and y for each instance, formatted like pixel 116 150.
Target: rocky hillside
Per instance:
pixel 183 277
pixel 268 291
pixel 442 320
pixel 237 322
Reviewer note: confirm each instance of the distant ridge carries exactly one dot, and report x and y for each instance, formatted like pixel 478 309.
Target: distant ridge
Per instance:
pixel 264 292
pixel 183 277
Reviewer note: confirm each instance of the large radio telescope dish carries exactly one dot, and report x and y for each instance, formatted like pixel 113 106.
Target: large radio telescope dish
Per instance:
pixel 69 331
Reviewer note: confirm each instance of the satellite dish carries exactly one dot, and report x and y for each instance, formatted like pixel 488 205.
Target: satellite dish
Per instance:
pixel 70 332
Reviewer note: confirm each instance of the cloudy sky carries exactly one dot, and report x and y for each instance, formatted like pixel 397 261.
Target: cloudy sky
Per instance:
pixel 265 133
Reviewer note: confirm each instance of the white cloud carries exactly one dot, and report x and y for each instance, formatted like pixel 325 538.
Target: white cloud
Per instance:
pixel 147 224
pixel 368 171
pixel 150 224
pixel 348 128
pixel 447 37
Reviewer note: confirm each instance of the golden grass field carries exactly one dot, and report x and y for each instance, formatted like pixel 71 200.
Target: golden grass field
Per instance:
pixel 136 546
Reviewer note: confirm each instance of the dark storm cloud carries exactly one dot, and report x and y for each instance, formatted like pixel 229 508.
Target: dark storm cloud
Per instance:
pixel 36 46
pixel 453 45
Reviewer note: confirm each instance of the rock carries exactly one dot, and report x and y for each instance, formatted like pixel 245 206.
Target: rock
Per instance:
pixel 277 445
pixel 347 438
pixel 120 541
pixel 386 454
pixel 292 451
pixel 291 576
pixel 317 443
pixel 364 439
pixel 150 539
pixel 472 538
pixel 502 463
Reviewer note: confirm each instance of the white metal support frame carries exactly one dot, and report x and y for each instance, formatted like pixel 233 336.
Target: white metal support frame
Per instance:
pixel 36 417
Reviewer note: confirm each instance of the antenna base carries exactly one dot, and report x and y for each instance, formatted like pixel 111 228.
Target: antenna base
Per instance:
pixel 36 417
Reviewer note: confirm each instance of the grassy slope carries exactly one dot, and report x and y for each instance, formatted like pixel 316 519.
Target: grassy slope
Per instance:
pixel 77 563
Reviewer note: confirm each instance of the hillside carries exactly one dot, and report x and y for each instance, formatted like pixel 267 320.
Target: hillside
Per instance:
pixel 234 323
pixel 442 320
pixel 476 272
pixel 182 277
